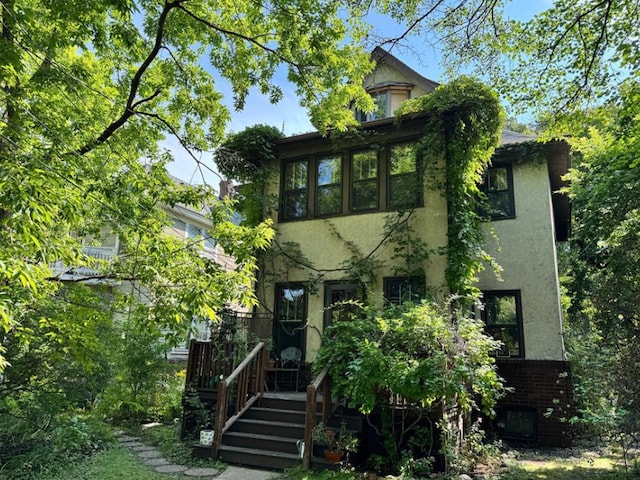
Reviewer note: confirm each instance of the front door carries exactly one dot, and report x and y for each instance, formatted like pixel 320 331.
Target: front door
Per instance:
pixel 290 320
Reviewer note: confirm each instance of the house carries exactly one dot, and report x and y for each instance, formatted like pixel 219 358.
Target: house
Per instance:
pixel 186 224
pixel 337 204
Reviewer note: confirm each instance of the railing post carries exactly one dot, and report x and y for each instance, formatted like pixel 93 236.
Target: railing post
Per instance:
pixel 309 424
pixel 326 399
pixel 221 417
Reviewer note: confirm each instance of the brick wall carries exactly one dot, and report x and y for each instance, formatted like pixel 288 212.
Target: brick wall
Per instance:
pixel 541 385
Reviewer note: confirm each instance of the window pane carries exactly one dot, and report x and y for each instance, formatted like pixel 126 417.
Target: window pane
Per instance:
pixel 291 304
pixel 364 165
pixel 295 204
pixel 402 159
pixel 381 106
pixel 500 203
pixel 497 179
pixel 510 337
pixel 329 171
pixel 365 195
pixel 501 310
pixel 329 200
pixel 404 289
pixel 296 175
pixel 193 231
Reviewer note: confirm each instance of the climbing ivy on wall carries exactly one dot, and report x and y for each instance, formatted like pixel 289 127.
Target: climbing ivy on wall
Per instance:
pixel 464 126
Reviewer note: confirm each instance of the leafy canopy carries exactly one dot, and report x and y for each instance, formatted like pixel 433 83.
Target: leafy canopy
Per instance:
pixel 87 92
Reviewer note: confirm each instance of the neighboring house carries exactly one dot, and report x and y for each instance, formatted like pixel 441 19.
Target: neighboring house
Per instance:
pixel 335 199
pixel 186 224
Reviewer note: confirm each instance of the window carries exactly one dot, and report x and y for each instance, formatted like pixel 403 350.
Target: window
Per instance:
pixel 329 186
pixel 382 100
pixel 502 316
pixel 498 189
pixel 294 201
pixel 387 177
pixel 398 290
pixel 403 176
pixel 364 180
pixel 335 293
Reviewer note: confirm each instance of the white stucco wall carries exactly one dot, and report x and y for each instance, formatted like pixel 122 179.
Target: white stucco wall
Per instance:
pixel 525 248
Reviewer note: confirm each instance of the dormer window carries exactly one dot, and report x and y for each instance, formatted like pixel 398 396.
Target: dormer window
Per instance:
pixel 388 97
pixel 383 108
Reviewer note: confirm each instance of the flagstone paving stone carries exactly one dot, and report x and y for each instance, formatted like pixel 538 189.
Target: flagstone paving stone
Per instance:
pixel 149 454
pixel 156 462
pixel 133 444
pixel 171 468
pixel 202 472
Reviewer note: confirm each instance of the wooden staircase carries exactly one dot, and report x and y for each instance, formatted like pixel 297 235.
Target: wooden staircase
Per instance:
pixel 267 434
pixel 254 427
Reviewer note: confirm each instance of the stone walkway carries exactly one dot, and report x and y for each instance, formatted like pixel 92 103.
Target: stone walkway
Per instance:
pixel 151 457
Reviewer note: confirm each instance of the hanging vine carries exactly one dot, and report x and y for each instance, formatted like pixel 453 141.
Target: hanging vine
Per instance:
pixel 465 125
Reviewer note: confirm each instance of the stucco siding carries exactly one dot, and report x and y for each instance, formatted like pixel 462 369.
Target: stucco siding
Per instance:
pixel 525 249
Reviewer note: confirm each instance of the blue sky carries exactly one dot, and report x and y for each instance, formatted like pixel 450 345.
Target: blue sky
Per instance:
pixel 292 119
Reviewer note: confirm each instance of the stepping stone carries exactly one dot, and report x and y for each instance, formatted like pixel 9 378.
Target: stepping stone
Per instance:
pixel 149 454
pixel 171 469
pixel 133 444
pixel 142 448
pixel 156 462
pixel 201 472
pixel 127 438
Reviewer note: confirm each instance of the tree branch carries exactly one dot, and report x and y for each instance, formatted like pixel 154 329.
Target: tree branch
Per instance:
pixel 131 104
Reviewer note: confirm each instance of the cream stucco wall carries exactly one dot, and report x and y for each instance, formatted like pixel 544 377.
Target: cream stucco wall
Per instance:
pixel 320 244
pixel 525 249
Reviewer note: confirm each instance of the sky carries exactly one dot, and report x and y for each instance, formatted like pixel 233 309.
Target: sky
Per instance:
pixel 292 119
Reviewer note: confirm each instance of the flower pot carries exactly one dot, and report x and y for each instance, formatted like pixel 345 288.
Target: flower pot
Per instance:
pixel 332 457
pixel 206 437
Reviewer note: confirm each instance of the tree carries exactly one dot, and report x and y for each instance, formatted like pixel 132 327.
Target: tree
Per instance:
pixel 566 57
pixel 88 91
pixel 605 264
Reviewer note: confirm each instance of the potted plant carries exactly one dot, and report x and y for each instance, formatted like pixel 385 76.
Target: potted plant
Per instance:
pixel 335 444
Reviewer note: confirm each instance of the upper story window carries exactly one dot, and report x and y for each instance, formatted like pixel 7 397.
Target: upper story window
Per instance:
pixel 383 108
pixel 364 180
pixel 188 230
pixel 502 316
pixel 329 185
pixel 295 193
pixel 403 176
pixel 498 189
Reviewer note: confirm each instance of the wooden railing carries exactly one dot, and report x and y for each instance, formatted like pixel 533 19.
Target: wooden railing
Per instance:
pixel 323 383
pixel 238 392
pixel 207 363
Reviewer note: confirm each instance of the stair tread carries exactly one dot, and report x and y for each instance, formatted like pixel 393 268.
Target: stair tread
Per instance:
pixel 278 410
pixel 269 422
pixel 255 451
pixel 259 436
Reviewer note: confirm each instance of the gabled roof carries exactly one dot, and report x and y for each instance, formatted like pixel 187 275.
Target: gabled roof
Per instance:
pixel 381 56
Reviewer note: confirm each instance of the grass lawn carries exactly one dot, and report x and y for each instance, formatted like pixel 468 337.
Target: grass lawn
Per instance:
pixel 117 463
pixel 568 465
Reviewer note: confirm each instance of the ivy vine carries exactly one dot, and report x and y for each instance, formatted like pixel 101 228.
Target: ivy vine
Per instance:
pixel 465 124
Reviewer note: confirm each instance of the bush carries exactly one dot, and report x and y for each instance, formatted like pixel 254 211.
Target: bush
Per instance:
pixel 432 360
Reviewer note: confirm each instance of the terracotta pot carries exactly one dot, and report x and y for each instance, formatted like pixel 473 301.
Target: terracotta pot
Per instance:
pixel 333 457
